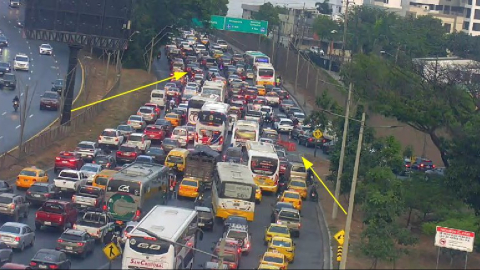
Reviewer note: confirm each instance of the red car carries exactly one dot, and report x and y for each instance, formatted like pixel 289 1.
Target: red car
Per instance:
pixel 283 165
pixel 127 153
pixel 156 107
pixel 154 132
pixel 55 213
pixel 68 160
pixel 251 95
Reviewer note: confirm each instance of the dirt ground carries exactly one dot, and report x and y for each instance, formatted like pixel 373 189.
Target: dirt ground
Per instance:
pixel 116 110
pixel 421 256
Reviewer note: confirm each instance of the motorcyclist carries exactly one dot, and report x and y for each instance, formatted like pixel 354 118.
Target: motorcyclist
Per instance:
pixel 172 104
pixel 279 81
pixel 16 99
pixel 313 194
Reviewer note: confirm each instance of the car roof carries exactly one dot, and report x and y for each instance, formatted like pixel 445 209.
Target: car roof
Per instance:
pixel 110 129
pixel 15 224
pixel 292 210
pixel 203 209
pixel 87 142
pixel 285 119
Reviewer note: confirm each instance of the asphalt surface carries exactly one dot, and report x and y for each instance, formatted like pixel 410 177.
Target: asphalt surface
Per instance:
pixel 308 247
pixel 43 71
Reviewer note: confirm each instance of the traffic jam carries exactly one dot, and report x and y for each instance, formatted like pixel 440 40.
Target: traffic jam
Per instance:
pixel 221 138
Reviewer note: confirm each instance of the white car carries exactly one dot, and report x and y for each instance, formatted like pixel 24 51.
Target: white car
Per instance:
pixel 266 110
pixel 233 78
pixel 142 141
pixel 192 85
pixel 180 134
pixel 46 49
pixel 21 62
pixel 148 113
pixel 272 98
pixel 111 137
pixel 223 44
pixel 70 180
pixel 137 122
pixel 300 116
pixel 183 106
pixel 200 48
pixel 284 124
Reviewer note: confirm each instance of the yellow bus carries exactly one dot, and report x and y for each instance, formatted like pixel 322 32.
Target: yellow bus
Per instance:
pixel 263 162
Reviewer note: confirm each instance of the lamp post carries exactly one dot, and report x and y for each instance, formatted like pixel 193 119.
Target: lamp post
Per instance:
pixel 152 44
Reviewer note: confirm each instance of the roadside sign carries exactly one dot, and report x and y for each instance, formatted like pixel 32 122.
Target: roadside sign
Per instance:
pixel 317 134
pixel 111 251
pixel 454 239
pixel 340 237
pixel 239 25
pixel 339 253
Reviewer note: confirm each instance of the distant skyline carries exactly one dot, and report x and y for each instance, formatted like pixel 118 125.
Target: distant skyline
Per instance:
pixel 235 6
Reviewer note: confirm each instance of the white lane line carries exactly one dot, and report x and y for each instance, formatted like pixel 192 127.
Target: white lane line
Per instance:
pixel 21 94
pixel 4 113
pixel 18 126
pixel 29 78
pixel 30 116
pixel 1 137
pixel 4 16
pixel 29 48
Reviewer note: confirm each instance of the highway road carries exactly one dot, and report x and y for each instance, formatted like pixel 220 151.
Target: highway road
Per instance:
pixel 43 71
pixel 309 246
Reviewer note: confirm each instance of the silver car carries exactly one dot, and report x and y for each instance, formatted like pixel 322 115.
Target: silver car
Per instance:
pixel 90 170
pixel 17 235
pixel 148 113
pixel 125 130
pixel 137 122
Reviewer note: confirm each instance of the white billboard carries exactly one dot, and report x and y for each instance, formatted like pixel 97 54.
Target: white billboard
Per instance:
pixel 454 239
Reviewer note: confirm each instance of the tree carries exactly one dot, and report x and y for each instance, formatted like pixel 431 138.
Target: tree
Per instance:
pixel 326 28
pixel 324 7
pixel 268 12
pixel 464 45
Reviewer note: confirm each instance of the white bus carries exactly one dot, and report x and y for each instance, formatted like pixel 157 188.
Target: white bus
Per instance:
pixel 195 105
pixel 255 57
pixel 212 125
pixel 244 131
pixel 214 90
pixel 264 74
pixel 170 224
pixel 263 162
pixel 233 191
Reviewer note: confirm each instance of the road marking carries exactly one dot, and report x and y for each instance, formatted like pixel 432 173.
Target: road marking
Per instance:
pixel 21 94
pixel 1 137
pixel 4 113
pixel 18 126
pixel 29 48
pixel 4 16
pixel 30 116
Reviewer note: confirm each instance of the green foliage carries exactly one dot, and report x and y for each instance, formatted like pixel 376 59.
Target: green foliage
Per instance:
pixel 150 16
pixel 326 28
pixel 408 151
pixel 324 7
pixel 268 12
pixel 464 45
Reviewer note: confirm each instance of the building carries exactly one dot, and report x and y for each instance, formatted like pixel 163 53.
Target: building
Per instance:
pixel 434 66
pixel 249 10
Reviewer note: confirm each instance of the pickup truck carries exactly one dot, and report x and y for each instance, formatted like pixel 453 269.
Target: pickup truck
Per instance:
pixel 70 180
pixel 96 224
pixel 290 218
pixel 89 197
pixel 55 213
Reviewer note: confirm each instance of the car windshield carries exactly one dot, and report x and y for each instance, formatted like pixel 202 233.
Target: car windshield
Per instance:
pixel 59 82
pixel 4 65
pixel 281 243
pixel 298 169
pixel 38 188
pixel 287 102
pixel 28 173
pixel 71 237
pixel 278 229
pixel 85 146
pixel 10 229
pixel 189 183
pixel 146 110
pixel 233 153
pixel 298 184
pixel 169 142
pixel 135 118
pixel 124 128
pixel 180 132
pixel 21 59
pixel 289 215
pixel 154 151
pixel 9 77
pixel 291 195
pixel 45 257
pixel 175 159
pixel 237 234
pixel 273 259
pixel 109 133
pixel 89 168
pixel 125 148
pixel 279 206
pixel 53 207
pixel 135 138
pixel 144 159
pixel 5 200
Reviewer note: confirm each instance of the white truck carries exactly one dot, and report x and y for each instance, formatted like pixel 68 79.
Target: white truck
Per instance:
pixel 89 197
pixel 70 180
pixel 239 233
pixel 96 224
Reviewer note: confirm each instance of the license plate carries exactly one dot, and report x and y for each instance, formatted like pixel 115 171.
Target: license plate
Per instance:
pixel 47 223
pixel 42 266
pixel 4 208
pixel 151 136
pixel 6 239
pixel 64 188
pixel 64 161
pixel 36 195
pixel 68 248
pixel 201 224
pixel 108 139
pixel 84 155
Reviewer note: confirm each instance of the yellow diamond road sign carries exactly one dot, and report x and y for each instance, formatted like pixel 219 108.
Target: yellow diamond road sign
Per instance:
pixel 340 237
pixel 317 134
pixel 111 251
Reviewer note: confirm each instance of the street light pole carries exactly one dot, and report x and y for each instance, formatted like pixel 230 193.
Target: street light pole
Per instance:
pixel 150 59
pixel 351 200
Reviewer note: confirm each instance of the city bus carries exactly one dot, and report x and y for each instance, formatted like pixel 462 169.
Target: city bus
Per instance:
pixel 244 131
pixel 254 57
pixel 263 162
pixel 212 125
pixel 264 74
pixel 233 191
pixel 215 90
pixel 131 188
pixel 195 105
pixel 153 249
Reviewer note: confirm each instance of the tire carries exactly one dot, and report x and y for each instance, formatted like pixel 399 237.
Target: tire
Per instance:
pixel 16 217
pixel 25 214
pixel 22 247
pixel 33 242
pixel 38 226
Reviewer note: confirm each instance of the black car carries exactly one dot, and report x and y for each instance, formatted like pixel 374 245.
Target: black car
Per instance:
pixel 233 154
pixel 3 41
pixel 76 242
pixel 39 193
pixel 166 125
pixel 106 161
pixel 157 153
pixel 307 139
pixel 293 110
pixel 5 187
pixel 276 209
pixel 205 217
pixel 58 85
pixel 235 220
pixel 169 144
pixel 423 164
pixel 9 80
pixel 50 259
pixel 5 68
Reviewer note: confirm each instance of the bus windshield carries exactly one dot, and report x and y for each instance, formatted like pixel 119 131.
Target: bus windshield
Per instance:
pixel 121 186
pixel 196 104
pixel 265 72
pixel 262 59
pixel 264 165
pixel 245 134
pixel 206 92
pixel 237 191
pixel 211 118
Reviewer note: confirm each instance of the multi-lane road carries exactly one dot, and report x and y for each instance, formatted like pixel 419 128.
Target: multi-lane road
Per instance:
pixel 43 71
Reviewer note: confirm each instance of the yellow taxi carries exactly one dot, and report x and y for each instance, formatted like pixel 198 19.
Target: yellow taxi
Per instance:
pixel 177 157
pixel 267 266
pixel 261 90
pixel 283 245
pixel 29 176
pixel 101 179
pixel 173 118
pixel 189 188
pixel 205 41
pixel 258 195
pixel 298 185
pixel 276 230
pixel 274 258
pixel 217 54
pixel 292 197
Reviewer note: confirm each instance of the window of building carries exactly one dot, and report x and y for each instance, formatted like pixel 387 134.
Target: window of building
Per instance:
pixel 439 7
pixel 476 27
pixel 448 27
pixel 469 2
pixel 477 2
pixel 466 25
pixel 477 14
pixel 468 13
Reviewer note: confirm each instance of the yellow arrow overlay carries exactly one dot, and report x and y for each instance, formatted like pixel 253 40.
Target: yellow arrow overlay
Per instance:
pixel 308 165
pixel 176 76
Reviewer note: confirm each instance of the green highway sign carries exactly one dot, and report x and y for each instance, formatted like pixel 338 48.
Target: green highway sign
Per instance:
pixel 239 25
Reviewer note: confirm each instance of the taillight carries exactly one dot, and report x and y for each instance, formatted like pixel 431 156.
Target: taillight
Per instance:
pixel 46 195
pixel 53 266
pixel 104 207
pixel 116 139
pixel 220 142
pixel 12 206
pixel 58 159
pixel 310 140
pixel 239 250
pixel 80 244
pixel 129 122
pixel 196 136
pixel 99 138
pixel 224 157
pixel 33 263
pixel 433 166
pixel 60 219
pixel 108 164
pixel 17 238
pixel 96 201
pixel 60 241
pixel 28 192
pixel 299 225
pixel 119 153
pixel 137 213
pixel 74 197
pixel 139 113
pixel 421 165
pixel 72 160
pixel 74 226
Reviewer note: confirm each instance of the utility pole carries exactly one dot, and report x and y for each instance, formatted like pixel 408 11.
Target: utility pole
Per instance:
pixel 117 62
pixel 151 56
pixel 351 201
pixel 296 75
pixel 23 119
pixel 288 52
pixel 347 117
pixel 109 54
pixel 221 253
pixel 306 86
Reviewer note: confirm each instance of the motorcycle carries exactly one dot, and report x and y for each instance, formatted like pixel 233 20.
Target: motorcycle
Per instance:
pixel 199 200
pixel 15 105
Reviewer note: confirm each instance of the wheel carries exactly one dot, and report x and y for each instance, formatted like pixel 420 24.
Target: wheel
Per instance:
pixel 16 217
pixel 25 214
pixel 22 247
pixel 38 226
pixel 33 242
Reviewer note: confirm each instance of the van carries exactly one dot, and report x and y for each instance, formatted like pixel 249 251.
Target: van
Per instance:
pixel 158 97
pixel 101 179
pixel 177 157
pixel 296 168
